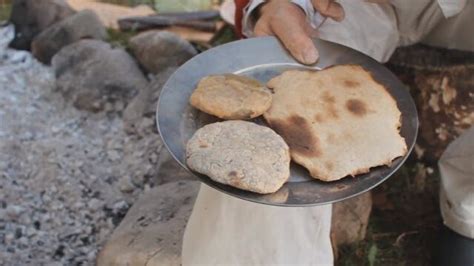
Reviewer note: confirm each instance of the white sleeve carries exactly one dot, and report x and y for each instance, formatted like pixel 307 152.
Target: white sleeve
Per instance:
pixel 248 23
pixel 451 7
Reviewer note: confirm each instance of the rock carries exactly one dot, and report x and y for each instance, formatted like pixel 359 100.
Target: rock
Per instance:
pixel 144 104
pixel 31 17
pixel 158 50
pixel 82 25
pixel 14 211
pixel 350 218
pixel 443 85
pixel 126 185
pixel 151 232
pixel 91 73
pixel 169 170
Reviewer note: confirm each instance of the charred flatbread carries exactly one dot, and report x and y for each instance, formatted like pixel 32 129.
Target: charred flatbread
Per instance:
pixel 337 122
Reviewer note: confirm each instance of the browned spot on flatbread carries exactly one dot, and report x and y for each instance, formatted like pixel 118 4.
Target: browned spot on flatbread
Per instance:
pixel 329 166
pixel 319 118
pixel 235 180
pixel 332 111
pixel 356 107
pixel 296 131
pixel 328 98
pixel 203 144
pixel 351 83
pixel 330 102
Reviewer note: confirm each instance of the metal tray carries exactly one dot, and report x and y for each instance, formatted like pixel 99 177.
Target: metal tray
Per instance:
pixel 264 58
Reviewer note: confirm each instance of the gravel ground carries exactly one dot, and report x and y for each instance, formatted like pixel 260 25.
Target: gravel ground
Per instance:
pixel 67 176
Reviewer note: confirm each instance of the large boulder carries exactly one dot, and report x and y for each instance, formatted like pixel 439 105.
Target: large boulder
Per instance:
pixel 96 76
pixel 442 82
pixel 144 104
pixel 83 25
pixel 350 219
pixel 31 17
pixel 158 50
pixel 151 232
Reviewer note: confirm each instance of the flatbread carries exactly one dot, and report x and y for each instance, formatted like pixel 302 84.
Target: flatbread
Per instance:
pixel 337 122
pixel 231 96
pixel 241 154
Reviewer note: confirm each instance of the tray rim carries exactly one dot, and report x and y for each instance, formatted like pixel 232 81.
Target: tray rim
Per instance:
pixel 218 186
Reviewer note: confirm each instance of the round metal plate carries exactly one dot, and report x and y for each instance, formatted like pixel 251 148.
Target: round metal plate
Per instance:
pixel 264 58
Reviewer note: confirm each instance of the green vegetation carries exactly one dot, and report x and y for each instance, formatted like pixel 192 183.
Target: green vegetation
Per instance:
pixel 119 38
pixel 130 2
pixel 5 9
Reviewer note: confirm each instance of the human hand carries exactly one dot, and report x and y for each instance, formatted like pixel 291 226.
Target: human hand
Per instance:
pixel 288 23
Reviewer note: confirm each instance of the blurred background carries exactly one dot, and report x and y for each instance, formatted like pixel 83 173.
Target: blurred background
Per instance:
pixel 161 5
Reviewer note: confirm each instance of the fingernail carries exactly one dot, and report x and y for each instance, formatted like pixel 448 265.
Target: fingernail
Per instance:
pixel 310 55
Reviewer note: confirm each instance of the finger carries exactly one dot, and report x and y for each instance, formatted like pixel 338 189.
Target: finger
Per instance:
pixel 329 8
pixel 262 29
pixel 312 32
pixel 293 33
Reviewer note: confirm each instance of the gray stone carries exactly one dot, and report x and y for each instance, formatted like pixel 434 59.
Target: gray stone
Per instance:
pixel 151 232
pixel 91 73
pixel 169 170
pixel 82 25
pixel 158 50
pixel 31 17
pixel 126 185
pixel 350 219
pixel 144 104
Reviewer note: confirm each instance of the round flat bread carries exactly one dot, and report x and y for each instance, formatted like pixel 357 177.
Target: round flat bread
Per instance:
pixel 231 96
pixel 338 121
pixel 241 154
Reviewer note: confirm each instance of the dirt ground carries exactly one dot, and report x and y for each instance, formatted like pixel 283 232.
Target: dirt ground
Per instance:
pixel 404 223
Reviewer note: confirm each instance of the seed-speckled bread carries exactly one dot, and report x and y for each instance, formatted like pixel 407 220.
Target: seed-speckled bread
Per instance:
pixel 231 96
pixel 241 154
pixel 337 122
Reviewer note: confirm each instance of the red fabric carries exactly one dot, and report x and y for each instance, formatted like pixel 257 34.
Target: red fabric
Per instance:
pixel 239 13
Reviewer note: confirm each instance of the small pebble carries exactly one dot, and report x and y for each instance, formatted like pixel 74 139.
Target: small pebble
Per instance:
pixel 126 185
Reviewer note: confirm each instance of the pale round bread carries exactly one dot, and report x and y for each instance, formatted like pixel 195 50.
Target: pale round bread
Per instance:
pixel 338 121
pixel 231 96
pixel 241 154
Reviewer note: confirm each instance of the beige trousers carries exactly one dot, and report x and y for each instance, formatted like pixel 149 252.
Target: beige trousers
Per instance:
pixel 227 231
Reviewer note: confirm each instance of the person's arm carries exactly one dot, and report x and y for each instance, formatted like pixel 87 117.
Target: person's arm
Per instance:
pixel 289 22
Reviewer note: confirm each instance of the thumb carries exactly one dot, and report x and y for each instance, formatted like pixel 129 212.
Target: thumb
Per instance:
pixel 292 32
